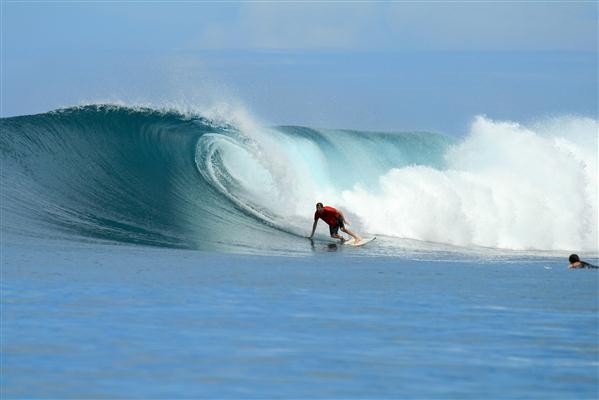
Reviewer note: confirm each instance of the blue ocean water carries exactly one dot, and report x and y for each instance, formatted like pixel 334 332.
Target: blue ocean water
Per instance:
pixel 158 254
pixel 118 321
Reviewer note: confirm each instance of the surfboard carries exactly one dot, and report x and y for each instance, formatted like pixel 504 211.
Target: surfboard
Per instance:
pixel 362 242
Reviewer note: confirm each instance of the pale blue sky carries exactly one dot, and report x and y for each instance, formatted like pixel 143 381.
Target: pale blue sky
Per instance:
pixel 386 65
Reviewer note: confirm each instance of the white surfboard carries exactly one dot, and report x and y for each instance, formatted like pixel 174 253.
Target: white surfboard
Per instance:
pixel 362 242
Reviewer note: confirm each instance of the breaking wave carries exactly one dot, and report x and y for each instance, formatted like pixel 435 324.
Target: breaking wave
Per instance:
pixel 172 179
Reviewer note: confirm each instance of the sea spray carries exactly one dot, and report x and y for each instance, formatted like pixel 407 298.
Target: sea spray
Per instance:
pixel 504 186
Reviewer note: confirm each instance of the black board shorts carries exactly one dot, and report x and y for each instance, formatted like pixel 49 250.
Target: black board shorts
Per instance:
pixel 334 229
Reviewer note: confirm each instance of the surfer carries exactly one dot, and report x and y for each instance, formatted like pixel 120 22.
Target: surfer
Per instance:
pixel 335 219
pixel 576 263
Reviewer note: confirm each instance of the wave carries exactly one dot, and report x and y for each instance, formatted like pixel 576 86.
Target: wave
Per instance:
pixel 165 178
pixel 503 186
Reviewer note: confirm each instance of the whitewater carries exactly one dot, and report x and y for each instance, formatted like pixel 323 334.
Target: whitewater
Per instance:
pixel 222 181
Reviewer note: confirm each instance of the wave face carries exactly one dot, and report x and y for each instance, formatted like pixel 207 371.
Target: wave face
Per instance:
pixel 163 178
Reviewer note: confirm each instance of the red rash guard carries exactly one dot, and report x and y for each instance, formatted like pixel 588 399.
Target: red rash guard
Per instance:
pixel 328 215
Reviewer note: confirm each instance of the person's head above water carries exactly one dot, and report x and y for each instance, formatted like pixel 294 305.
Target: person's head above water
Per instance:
pixel 576 262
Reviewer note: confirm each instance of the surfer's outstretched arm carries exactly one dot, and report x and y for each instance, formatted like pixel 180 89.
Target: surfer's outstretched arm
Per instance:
pixel 344 219
pixel 313 229
pixel 344 229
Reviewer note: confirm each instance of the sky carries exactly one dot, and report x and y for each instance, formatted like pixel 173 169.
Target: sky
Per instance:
pixel 394 66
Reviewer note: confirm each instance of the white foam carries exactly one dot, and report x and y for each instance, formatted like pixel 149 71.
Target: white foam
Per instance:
pixel 505 186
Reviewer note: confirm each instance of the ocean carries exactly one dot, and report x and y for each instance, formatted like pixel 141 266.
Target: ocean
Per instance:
pixel 161 253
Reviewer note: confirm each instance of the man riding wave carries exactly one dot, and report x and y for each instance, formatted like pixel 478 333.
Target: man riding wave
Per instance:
pixel 335 219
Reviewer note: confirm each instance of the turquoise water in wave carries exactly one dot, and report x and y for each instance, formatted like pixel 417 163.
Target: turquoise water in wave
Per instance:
pixel 159 254
pixel 93 321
